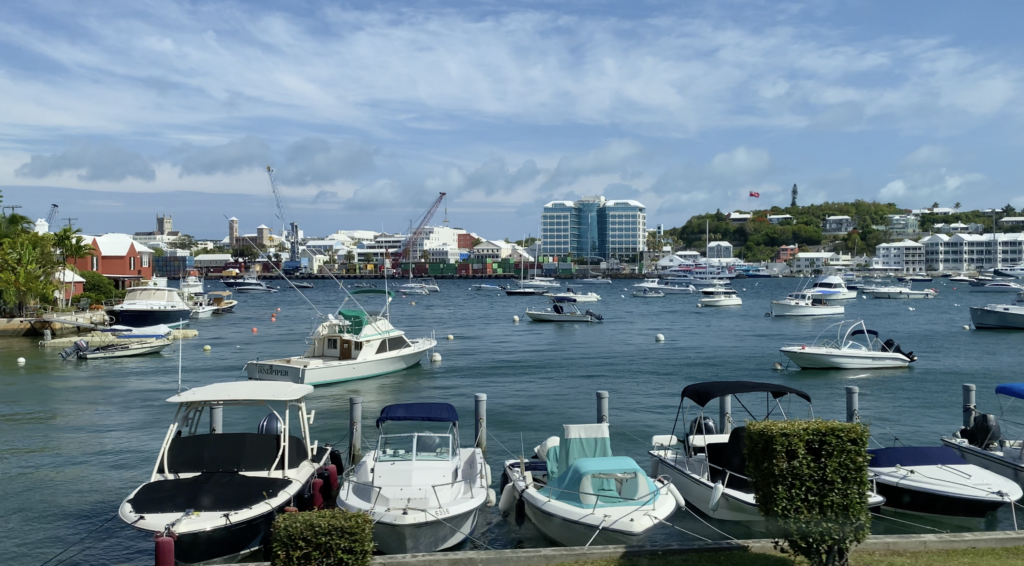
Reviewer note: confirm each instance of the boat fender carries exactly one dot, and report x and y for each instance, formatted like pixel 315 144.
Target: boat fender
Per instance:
pixel 655 467
pixel 164 550
pixel 677 496
pixel 716 496
pixel 332 470
pixel 508 499
pixel 318 496
pixel 324 475
pixel 337 461
pixel 520 511
pixel 502 482
pixel 487 473
pixel 491 497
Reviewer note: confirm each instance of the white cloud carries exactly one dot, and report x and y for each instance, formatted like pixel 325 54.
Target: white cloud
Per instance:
pixel 96 162
pixel 741 162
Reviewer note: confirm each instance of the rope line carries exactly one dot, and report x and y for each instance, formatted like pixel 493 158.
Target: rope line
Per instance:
pixel 502 445
pixel 908 522
pixel 453 527
pixel 78 541
pixel 623 431
pixel 690 511
pixel 680 529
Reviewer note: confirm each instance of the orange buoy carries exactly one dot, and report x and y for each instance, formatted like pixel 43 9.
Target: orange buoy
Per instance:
pixel 254 330
pixel 278 309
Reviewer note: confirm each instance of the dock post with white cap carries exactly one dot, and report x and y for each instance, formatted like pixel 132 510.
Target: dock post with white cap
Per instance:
pixel 355 430
pixel 970 404
pixel 725 413
pixel 852 404
pixel 602 406
pixel 481 421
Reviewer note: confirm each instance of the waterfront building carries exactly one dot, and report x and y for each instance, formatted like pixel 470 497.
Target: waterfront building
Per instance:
pixel 786 253
pixel 1012 221
pixel 117 257
pixel 70 282
pixel 719 250
pixel 967 252
pixel 904 257
pixel 594 227
pixel 383 246
pixel 810 262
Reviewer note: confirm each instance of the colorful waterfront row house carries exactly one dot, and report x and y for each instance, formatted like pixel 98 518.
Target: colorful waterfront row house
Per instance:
pixel 117 257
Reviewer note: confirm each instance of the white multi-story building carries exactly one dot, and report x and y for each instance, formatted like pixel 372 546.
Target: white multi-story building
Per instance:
pixel 778 218
pixel 739 217
pixel 809 262
pixel 441 238
pixel 384 245
pixel 838 224
pixel 903 225
pixel 1012 221
pixel 493 249
pixel 719 250
pixel 967 252
pixel 906 257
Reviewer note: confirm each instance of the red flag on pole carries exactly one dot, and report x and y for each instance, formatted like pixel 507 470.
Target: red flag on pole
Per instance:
pixel 755 195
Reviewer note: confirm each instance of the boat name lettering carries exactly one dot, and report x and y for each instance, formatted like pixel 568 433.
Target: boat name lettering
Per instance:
pixel 271 370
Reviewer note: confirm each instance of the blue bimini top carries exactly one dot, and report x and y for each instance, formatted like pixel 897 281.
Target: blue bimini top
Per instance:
pixel 429 412
pixel 1015 390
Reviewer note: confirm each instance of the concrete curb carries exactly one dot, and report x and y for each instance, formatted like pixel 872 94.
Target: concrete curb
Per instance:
pixel 561 555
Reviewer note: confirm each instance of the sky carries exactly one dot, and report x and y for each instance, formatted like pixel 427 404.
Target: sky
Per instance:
pixel 119 111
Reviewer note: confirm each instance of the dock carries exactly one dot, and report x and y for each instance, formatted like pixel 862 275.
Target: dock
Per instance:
pixel 96 338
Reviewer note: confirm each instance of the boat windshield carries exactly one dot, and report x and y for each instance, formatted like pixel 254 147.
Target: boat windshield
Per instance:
pixel 415 446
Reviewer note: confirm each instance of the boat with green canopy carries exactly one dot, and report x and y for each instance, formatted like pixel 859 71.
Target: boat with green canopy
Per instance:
pixel 353 343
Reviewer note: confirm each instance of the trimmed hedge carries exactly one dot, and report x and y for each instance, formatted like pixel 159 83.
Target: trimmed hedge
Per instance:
pixel 811 483
pixel 331 537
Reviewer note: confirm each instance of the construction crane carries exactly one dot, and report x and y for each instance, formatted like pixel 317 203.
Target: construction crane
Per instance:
pixel 52 215
pixel 293 240
pixel 415 233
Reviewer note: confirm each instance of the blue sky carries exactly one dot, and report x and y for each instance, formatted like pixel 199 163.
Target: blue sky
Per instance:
pixel 123 110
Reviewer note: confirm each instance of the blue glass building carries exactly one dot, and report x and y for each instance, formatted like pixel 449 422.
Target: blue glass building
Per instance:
pixel 594 227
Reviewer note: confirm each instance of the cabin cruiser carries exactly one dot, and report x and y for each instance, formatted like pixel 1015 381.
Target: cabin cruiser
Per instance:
pixel 584 297
pixel 855 348
pixel 832 287
pixel 753 272
pixel 898 292
pixel 579 494
pixel 354 345
pixel 914 279
pixel 709 467
pixel 1000 316
pixel 247 279
pixel 564 310
pixel 648 293
pixel 983 444
pixel 219 493
pixel 852 282
pixel 719 297
pixel 423 491
pixel 150 306
pixel 1016 271
pixel 669 287
pixel 935 480
pixel 257 287
pixel 223 301
pixel 996 287
pixel 191 284
pixel 429 283
pixel 805 303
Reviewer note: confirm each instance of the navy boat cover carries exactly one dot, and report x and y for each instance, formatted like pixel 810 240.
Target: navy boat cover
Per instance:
pixel 1011 389
pixel 914 456
pixel 433 412
pixel 703 393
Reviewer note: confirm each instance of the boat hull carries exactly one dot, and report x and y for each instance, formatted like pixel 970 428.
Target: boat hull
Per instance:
pixel 821 358
pixel 932 503
pixel 779 308
pixel 554 317
pixel 424 537
pixel 697 493
pixel 336 371
pixel 153 348
pixel 983 318
pixel 901 294
pixel 988 460
pixel 569 533
pixel 730 302
pixel 138 318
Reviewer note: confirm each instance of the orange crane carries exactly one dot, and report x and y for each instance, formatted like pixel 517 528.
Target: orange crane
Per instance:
pixel 415 233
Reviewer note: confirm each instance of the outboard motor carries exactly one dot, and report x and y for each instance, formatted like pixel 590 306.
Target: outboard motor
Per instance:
pixel 704 425
pixel 594 314
pixel 270 424
pixel 557 308
pixel 888 345
pixel 74 349
pixel 984 432
pixel 893 346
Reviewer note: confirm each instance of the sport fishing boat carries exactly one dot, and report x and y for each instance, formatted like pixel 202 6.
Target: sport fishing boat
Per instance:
pixel 584 297
pixel 353 345
pixel 833 288
pixel 191 284
pixel 898 292
pixel 719 296
pixel 579 494
pixel 709 468
pixel 805 303
pixel 935 480
pixel 429 283
pixel 257 287
pixel 1000 316
pixel 202 306
pixel 855 348
pixel 666 286
pixel 245 280
pixel 423 491
pixel 219 493
pixel 563 310
pixel 150 306
pixel 983 443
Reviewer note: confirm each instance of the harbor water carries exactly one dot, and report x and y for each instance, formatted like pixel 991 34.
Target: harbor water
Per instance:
pixel 76 437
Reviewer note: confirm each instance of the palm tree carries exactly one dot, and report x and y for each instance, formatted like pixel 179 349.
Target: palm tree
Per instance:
pixel 27 267
pixel 350 256
pixel 13 224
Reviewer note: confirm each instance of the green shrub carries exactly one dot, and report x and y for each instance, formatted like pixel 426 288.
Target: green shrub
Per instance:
pixel 811 483
pixel 322 538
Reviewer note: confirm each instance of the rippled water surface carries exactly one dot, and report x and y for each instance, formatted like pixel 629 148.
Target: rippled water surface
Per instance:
pixel 77 437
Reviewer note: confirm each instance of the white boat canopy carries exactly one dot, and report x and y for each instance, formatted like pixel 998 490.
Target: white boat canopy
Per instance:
pixel 244 391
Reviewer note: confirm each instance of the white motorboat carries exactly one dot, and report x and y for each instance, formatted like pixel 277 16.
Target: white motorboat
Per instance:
pixel 219 493
pixel 805 303
pixel 833 288
pixel 355 346
pixel 983 443
pixel 429 283
pixel 202 306
pixel 856 347
pixel 666 286
pixel 935 480
pixel 709 468
pixel 423 491
pixel 539 282
pixel 594 281
pixel 898 292
pixel 1000 316
pixel 852 282
pixel 413 289
pixel 584 297
pixel 719 297
pixel 579 494
pixel 120 349
pixel 996 287
pixel 564 310
pixel 245 280
pixel 150 306
pixel 914 279
pixel 223 301
pixel 300 285
pixel 486 287
pixel 961 279
pixel 257 287
pixel 191 284
pixel 648 293
pixel 526 292
pixel 1015 271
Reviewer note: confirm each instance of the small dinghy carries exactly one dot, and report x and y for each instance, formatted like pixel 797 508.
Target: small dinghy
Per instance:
pixel 579 494
pixel 301 285
pixel 423 491
pixel 82 351
pixel 935 480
